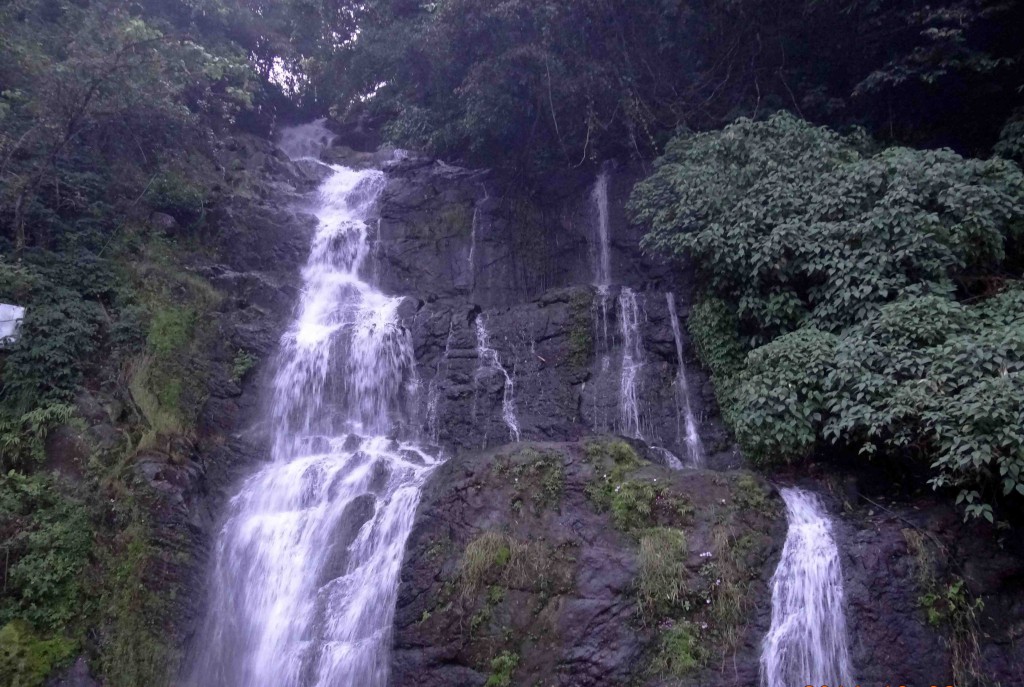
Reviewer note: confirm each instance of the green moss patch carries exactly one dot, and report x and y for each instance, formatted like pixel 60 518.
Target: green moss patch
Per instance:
pixel 537 478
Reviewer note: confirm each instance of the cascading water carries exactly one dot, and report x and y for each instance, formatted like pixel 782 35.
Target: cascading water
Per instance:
pixel 305 570
pixel 806 644
pixel 602 261
pixel 602 254
pixel 632 363
pixel 694 446
pixel 489 360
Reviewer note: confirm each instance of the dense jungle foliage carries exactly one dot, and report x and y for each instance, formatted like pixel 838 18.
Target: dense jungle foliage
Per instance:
pixel 862 296
pixel 856 296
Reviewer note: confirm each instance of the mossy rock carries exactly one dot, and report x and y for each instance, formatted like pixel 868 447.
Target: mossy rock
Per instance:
pixel 26 659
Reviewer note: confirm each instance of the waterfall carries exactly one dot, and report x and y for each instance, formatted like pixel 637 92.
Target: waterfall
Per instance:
pixel 602 256
pixel 694 446
pixel 305 568
pixel 806 644
pixel 632 363
pixel 602 261
pixel 489 360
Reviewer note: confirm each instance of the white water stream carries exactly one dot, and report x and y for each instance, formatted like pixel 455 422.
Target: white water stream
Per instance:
pixel 602 262
pixel 305 568
pixel 632 364
pixel 694 446
pixel 489 360
pixel 806 644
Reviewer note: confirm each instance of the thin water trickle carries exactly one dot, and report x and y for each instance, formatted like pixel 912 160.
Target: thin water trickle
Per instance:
pixel 694 446
pixel 477 217
pixel 632 364
pixel 601 250
pixel 807 643
pixel 489 360
pixel 305 568
pixel 602 254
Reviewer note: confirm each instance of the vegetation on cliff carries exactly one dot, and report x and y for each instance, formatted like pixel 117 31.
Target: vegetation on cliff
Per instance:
pixel 875 292
pixel 863 298
pixel 109 112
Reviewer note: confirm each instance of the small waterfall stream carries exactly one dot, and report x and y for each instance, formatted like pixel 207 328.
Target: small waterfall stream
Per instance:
pixel 477 217
pixel 602 261
pixel 305 568
pixel 694 446
pixel 632 364
pixel 489 360
pixel 806 644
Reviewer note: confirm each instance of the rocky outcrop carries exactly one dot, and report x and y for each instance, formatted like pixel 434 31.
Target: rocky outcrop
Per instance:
pixel 257 239
pixel 931 599
pixel 470 254
pixel 546 563
pixel 522 566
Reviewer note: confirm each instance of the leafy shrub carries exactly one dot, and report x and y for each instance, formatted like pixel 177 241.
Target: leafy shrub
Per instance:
pixel 714 330
pixel 26 660
pixel 243 362
pixel 1011 138
pixel 932 379
pixel 838 267
pixel 793 224
pixel 176 196
pixel 135 650
pixel 47 536
pixel 777 407
pixel 536 477
pixel 502 669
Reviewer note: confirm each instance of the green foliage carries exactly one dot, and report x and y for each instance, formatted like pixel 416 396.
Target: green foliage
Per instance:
pixel 47 541
pixel 632 504
pixel 931 378
pixel 838 267
pixel 22 438
pixel 170 331
pixel 503 667
pixel 662 576
pixel 243 362
pixel 535 476
pixel 97 96
pixel 794 225
pixel 752 495
pixel 680 651
pixel 949 606
pixel 485 556
pixel 135 649
pixel 1011 138
pixel 777 406
pixel 581 336
pixel 26 660
pixel 714 331
pixel 181 199
pixel 496 560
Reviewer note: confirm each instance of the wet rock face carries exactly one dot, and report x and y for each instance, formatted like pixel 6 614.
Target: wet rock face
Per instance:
pixel 522 557
pixel 922 587
pixel 469 254
pixel 259 239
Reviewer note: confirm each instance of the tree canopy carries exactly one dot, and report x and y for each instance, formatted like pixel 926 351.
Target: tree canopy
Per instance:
pixel 876 293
